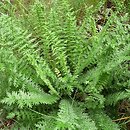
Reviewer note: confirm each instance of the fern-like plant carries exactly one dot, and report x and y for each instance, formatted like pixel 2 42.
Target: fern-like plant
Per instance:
pixel 55 73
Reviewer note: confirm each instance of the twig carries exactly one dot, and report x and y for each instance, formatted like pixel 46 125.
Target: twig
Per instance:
pixel 123 118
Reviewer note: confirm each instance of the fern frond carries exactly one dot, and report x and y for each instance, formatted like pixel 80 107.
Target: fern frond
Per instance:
pixel 24 116
pixel 114 98
pixel 22 44
pixel 47 124
pixel 94 101
pixel 71 116
pixel 103 121
pixel 86 123
pixel 29 99
pixel 67 115
pixel 51 38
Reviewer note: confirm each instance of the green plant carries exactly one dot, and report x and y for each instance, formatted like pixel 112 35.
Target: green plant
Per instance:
pixel 57 75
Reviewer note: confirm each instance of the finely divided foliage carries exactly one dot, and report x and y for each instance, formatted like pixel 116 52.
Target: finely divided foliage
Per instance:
pixel 57 75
